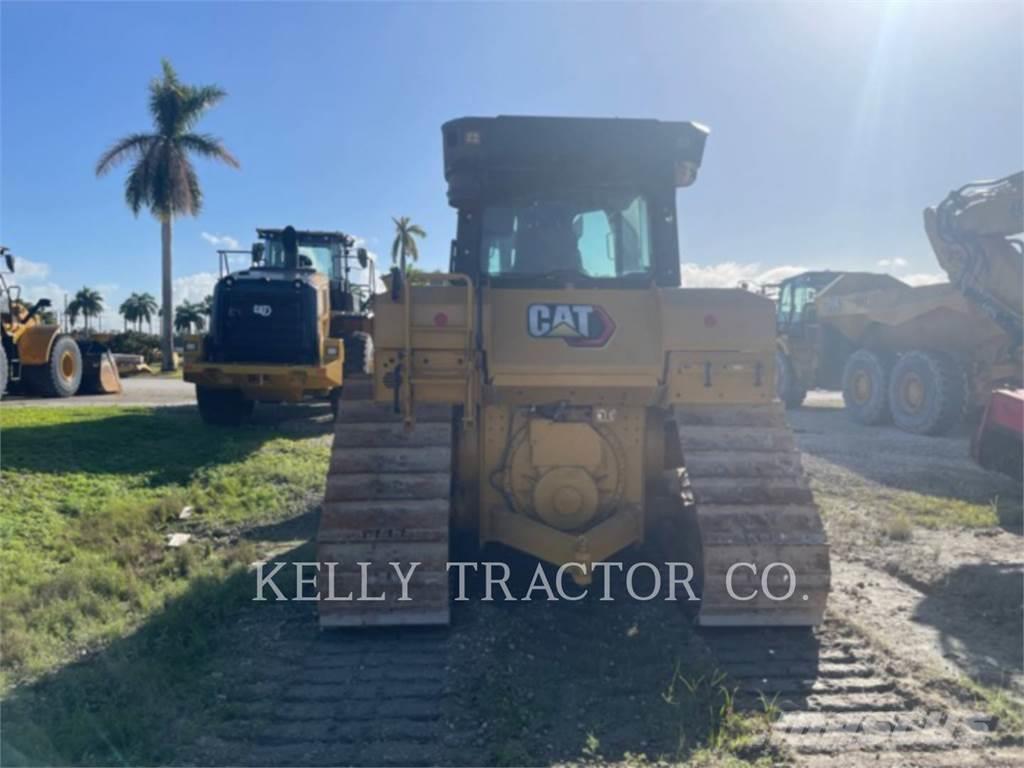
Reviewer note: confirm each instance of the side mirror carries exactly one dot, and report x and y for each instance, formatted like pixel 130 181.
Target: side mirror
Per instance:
pixel 257 253
pixel 363 258
pixel 9 260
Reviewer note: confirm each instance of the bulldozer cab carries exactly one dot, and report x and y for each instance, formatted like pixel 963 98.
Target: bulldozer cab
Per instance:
pixel 533 215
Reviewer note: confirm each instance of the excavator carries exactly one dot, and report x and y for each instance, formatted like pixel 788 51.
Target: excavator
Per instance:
pixel 973 234
pixel 557 392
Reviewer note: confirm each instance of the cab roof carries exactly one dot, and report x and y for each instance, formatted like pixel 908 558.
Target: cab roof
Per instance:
pixel 310 235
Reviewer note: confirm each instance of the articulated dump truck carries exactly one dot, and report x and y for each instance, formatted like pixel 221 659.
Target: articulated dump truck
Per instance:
pixel 559 393
pixel 921 357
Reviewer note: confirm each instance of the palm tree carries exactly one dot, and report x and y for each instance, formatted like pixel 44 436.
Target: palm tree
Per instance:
pixel 162 177
pixel 129 310
pixel 147 309
pixel 207 305
pixel 187 315
pixel 74 309
pixel 87 302
pixel 405 241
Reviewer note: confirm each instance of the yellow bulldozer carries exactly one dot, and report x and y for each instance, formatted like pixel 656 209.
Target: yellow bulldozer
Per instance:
pixel 918 356
pixel 36 358
pixel 557 392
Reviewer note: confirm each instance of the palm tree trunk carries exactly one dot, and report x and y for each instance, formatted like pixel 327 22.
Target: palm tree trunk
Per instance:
pixel 403 258
pixel 166 329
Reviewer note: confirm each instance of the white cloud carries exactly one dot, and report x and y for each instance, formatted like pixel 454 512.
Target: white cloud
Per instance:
pixel 730 274
pixel 32 278
pixel 221 241
pixel 27 271
pixel 194 288
pixel 897 262
pixel 925 278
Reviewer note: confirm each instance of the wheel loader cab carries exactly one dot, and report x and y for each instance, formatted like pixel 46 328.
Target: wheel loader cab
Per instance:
pixel 577 374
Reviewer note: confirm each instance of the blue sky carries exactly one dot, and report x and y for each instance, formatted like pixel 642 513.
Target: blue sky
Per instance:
pixel 832 125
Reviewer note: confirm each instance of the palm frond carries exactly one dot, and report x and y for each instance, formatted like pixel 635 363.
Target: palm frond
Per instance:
pixel 208 146
pixel 196 100
pixel 165 105
pixel 132 146
pixel 417 230
pixel 139 189
pixel 170 75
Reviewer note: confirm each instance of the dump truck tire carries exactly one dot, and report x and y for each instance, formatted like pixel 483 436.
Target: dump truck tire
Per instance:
pixel 61 375
pixel 927 393
pixel 788 387
pixel 223 407
pixel 3 371
pixel 358 353
pixel 866 388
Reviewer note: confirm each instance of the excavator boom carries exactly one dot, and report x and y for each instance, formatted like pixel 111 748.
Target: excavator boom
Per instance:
pixel 972 233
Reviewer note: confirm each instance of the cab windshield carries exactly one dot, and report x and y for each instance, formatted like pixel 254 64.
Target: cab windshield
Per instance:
pixel 321 257
pixel 603 235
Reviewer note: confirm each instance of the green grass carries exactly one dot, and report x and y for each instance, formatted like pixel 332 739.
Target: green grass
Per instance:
pixel 922 510
pixel 177 373
pixel 937 513
pixel 1008 711
pixel 89 496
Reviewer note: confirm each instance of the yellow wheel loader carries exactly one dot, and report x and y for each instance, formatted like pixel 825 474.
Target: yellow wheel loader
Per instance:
pixel 38 359
pixel 559 393
pixel 295 324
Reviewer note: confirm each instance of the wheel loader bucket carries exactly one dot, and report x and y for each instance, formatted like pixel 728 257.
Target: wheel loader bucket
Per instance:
pixel 99 371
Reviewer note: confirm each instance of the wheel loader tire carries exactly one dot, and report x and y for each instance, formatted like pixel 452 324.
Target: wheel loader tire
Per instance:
pixel 866 388
pixel 927 393
pixel 358 353
pixel 788 387
pixel 61 375
pixel 223 407
pixel 3 371
pixel 335 398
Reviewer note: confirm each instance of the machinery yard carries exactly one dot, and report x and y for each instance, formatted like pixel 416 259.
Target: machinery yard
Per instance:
pixel 540 422
pixel 922 620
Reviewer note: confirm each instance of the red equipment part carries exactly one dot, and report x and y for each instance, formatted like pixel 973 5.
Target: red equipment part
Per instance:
pixel 999 442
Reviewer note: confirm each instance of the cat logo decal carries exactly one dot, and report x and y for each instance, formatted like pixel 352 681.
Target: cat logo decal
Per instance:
pixel 580 325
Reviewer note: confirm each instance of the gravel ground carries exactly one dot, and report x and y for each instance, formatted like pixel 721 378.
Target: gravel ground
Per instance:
pixel 138 390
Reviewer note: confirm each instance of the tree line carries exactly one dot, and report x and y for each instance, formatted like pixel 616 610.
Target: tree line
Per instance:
pixel 138 308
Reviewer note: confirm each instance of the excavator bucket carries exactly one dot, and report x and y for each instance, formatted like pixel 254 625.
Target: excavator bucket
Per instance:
pixel 99 371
